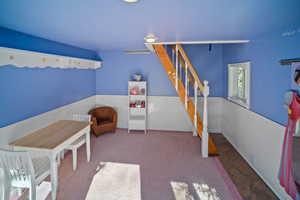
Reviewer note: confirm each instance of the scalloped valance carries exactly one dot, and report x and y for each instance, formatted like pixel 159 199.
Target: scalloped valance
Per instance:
pixel 31 59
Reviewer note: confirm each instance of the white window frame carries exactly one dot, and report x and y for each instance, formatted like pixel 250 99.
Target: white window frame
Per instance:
pixel 232 83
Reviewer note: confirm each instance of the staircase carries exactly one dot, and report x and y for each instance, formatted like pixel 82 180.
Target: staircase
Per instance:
pixel 186 81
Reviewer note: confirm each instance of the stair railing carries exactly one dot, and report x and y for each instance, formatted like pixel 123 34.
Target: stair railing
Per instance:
pixel 190 77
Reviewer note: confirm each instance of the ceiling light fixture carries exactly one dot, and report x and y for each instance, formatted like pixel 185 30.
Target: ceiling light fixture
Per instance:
pixel 150 38
pixel 130 1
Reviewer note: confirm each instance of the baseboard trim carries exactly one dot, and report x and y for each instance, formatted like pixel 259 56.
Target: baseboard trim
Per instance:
pixel 158 131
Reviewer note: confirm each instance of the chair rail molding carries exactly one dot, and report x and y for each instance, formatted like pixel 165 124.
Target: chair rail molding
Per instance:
pixel 31 59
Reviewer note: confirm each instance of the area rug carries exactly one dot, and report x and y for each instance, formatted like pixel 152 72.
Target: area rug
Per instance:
pixel 181 191
pixel 205 192
pixel 116 181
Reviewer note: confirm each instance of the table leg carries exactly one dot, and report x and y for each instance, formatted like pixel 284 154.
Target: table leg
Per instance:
pixel 88 145
pixel 53 174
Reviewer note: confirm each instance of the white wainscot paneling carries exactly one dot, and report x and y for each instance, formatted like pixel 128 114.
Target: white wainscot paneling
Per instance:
pixel 257 139
pixel 167 113
pixel 215 110
pixel 19 129
pixel 164 113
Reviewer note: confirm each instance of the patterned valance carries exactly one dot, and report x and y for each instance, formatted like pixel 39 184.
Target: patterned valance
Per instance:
pixel 22 58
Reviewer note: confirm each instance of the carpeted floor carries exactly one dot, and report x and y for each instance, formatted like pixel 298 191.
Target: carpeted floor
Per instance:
pixel 163 157
pixel 248 183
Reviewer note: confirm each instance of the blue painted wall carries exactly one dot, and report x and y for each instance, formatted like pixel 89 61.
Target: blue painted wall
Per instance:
pixel 18 40
pixel 112 78
pixel 269 80
pixel 118 67
pixel 209 65
pixel 28 92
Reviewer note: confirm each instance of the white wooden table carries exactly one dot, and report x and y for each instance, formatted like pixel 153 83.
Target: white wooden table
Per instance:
pixel 51 140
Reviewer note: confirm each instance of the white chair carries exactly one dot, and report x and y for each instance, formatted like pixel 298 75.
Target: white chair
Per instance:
pixel 19 170
pixel 79 142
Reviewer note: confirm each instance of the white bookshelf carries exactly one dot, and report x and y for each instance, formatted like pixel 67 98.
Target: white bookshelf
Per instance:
pixel 137 105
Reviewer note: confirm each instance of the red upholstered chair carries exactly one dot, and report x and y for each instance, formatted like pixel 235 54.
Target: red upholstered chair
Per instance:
pixel 104 119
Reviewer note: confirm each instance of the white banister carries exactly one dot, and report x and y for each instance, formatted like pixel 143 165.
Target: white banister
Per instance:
pixel 186 85
pixel 196 105
pixel 176 53
pixel 204 144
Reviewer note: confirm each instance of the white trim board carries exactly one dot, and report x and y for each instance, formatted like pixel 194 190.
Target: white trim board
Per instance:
pixel 31 59
pixel 150 45
pixel 202 42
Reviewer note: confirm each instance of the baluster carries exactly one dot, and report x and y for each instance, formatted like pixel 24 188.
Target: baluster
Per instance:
pixel 173 56
pixel 176 67
pixel 196 105
pixel 204 132
pixel 179 69
pixel 182 70
pixel 186 85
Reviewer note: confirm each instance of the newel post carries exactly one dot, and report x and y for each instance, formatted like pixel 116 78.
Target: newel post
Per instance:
pixel 205 123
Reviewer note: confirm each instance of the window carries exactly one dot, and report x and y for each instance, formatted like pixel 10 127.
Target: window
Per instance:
pixel 239 83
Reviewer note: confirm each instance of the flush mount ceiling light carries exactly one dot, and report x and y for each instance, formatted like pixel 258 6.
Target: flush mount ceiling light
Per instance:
pixel 130 1
pixel 150 38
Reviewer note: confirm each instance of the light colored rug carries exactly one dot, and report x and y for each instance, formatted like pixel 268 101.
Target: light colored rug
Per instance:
pixel 116 181
pixel 204 192
pixel 181 191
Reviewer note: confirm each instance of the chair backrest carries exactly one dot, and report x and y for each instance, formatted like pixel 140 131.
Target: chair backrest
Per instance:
pixel 17 165
pixel 103 113
pixel 81 117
